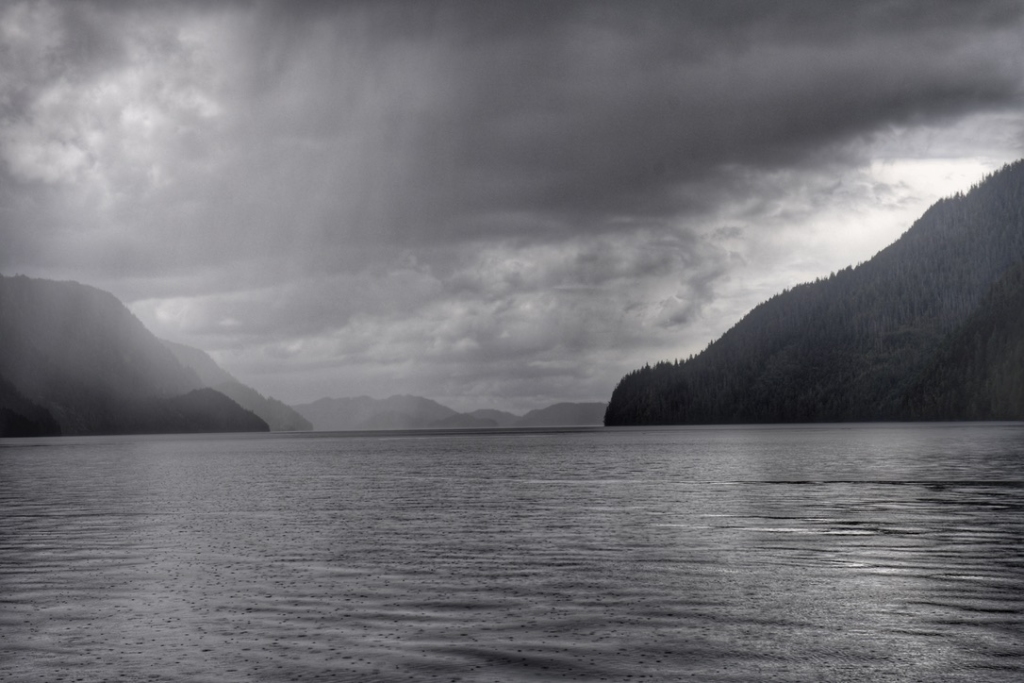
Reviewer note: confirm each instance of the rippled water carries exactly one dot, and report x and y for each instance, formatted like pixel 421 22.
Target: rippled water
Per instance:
pixel 882 553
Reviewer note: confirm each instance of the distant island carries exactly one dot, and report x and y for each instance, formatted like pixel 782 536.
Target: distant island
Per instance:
pixel 416 412
pixel 931 328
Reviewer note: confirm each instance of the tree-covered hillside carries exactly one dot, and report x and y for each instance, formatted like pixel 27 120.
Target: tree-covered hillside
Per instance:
pixel 979 371
pixel 867 343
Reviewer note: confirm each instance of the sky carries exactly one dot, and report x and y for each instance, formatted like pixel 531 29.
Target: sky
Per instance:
pixel 492 204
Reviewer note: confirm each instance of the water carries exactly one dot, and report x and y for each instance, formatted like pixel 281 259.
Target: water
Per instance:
pixel 882 553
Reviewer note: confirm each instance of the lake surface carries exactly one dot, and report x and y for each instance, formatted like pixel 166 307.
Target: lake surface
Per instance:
pixel 806 553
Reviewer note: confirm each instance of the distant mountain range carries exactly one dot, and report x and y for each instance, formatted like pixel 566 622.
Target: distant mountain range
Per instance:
pixel 416 412
pixel 74 360
pixel 931 328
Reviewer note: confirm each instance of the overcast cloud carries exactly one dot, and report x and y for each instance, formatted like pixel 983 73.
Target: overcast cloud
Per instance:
pixel 491 204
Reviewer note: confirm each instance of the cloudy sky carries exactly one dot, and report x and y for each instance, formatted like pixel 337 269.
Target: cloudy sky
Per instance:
pixel 493 204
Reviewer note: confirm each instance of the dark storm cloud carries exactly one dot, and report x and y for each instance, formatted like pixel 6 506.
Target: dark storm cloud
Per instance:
pixel 468 119
pixel 605 114
pixel 560 117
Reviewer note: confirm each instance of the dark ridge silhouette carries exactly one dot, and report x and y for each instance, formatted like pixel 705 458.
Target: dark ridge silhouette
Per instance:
pixel 978 373
pixel 77 354
pixel 898 337
pixel 280 417
pixel 21 417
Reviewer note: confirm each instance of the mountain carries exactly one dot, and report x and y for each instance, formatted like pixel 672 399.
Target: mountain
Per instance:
pixel 979 371
pixel 209 373
pixel 500 418
pixel 198 411
pixel 363 412
pixel 564 415
pixel 897 337
pixel 21 417
pixel 280 417
pixel 416 412
pixel 74 356
pixel 464 421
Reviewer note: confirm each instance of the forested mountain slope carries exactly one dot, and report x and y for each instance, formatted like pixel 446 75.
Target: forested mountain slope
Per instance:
pixel 870 342
pixel 73 356
pixel 979 372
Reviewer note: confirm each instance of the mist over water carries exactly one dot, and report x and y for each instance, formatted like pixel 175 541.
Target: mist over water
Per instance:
pixel 797 553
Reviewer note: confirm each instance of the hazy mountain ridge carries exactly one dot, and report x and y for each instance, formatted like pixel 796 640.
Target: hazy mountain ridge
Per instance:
pixel 73 355
pixel 198 411
pixel 280 417
pixel 415 412
pixel 866 343
pixel 277 414
pixel 500 418
pixel 564 415
pixel 363 412
pixel 464 421
pixel 210 374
